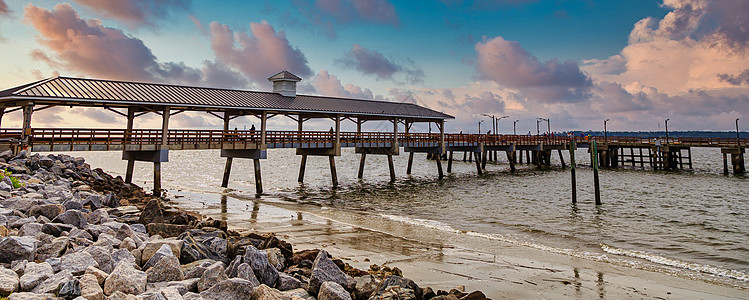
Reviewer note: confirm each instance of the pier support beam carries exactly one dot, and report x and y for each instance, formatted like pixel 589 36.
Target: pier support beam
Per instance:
pixel 258 177
pixel 333 174
pixel 227 171
pixel 331 153
pixel 561 158
pixel 164 145
pixel 410 162
pixel 255 154
pixel 439 167
pixel 511 159
pixel 391 167
pixel 361 165
pixel 302 166
pixel 737 160
pixel 478 163
pixel 450 163
pixel 128 133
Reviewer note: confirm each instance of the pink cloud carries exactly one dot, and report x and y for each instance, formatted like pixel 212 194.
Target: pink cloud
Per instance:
pixel 259 55
pixel 329 85
pixel 329 13
pixel 136 13
pixel 371 62
pixel 509 65
pixel 3 8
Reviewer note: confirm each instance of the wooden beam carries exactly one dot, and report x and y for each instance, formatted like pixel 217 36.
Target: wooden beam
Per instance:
pixel 115 111
pixel 263 126
pixel 45 107
pixel 217 116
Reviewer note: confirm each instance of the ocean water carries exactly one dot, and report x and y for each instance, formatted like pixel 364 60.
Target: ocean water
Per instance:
pixel 688 222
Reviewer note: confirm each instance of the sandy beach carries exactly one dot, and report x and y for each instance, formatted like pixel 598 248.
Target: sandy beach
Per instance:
pixel 444 260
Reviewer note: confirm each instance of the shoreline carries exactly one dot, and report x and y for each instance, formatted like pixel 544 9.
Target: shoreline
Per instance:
pixel 503 271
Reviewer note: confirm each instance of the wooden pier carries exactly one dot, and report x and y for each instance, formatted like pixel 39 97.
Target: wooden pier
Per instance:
pixel 133 99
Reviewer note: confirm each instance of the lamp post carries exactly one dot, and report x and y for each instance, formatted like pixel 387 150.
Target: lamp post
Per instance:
pixel 538 131
pixel 738 141
pixel 667 130
pixel 548 124
pixel 605 134
pixel 514 126
pixel 493 122
pixel 480 121
pixel 496 127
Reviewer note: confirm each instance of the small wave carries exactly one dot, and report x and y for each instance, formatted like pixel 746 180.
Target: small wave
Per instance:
pixel 677 263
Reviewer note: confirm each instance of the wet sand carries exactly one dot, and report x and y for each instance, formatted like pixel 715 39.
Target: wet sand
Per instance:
pixel 443 260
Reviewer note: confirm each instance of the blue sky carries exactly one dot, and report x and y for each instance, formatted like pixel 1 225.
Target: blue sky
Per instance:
pixel 576 62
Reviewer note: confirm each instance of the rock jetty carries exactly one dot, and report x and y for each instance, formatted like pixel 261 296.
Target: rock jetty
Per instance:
pixel 70 232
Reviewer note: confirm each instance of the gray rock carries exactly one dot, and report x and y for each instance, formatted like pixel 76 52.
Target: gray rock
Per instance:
pixel 139 228
pixel 171 293
pixel 56 229
pixel 93 200
pixel 103 257
pixel 110 200
pixel 193 250
pixel 125 278
pixel 276 258
pixel 100 275
pixel 264 292
pixel 48 210
pixel 34 274
pixel 53 249
pixel 244 271
pixel 128 243
pixel 30 229
pixel 17 248
pixel 53 283
pixel 396 286
pixel 192 296
pixel 232 269
pixel 196 272
pixel 17 223
pixel 365 286
pixel 90 288
pixel 396 292
pixel 18 266
pixel 152 246
pixel 73 204
pixel 213 275
pixel 77 262
pixel 151 295
pixel 330 290
pixel 297 293
pixel 153 212
pixel 324 269
pixel 286 282
pixel 55 263
pixel 9 281
pixel 98 216
pixel 70 289
pixel 264 271
pixel 163 251
pixel 229 289
pixel 166 269
pixel 123 255
pixel 72 217
pixel 81 234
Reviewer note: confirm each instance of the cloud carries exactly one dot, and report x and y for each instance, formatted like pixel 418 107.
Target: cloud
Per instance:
pixel 136 13
pixel 263 53
pixel 485 4
pixel 371 62
pixel 326 14
pixel 330 85
pixel 508 64
pixel 87 47
pixel 740 79
pixel 3 8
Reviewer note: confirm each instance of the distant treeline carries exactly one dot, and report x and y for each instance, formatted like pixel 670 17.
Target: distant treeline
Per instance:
pixel 713 134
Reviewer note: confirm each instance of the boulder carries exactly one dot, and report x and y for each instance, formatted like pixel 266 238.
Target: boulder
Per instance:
pixel 124 255
pixel 324 269
pixel 34 274
pixel 110 200
pixel 244 271
pixel 8 281
pixel 286 282
pixel 103 257
pixel 229 289
pixel 191 296
pixel 264 292
pixel 152 246
pixel 99 275
pixel 73 204
pixel 53 249
pixel 153 212
pixel 128 243
pixel 30 229
pixel 396 292
pixel 48 210
pixel 17 248
pixel 276 258
pixel 90 288
pixel 212 275
pixel 53 283
pixel 297 294
pixel 56 229
pixel 193 250
pixel 72 217
pixel 330 290
pixel 93 200
pixel 30 296
pixel 365 286
pixel 398 286
pixel 77 262
pixel 264 271
pixel 163 252
pixel 166 269
pixel 70 289
pixel 171 293
pixel 98 216
pixel 125 278
pixel 166 230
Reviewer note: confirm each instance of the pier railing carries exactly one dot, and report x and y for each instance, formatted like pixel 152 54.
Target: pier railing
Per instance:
pixel 190 139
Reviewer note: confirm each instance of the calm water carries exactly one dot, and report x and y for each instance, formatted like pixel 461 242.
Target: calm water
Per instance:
pixel 696 221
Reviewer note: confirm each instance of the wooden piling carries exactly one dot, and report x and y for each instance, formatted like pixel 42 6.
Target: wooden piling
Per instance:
pixel 595 175
pixel 301 168
pixel 725 164
pixel 511 159
pixel 227 172
pixel 410 162
pixel 573 147
pixel 333 175
pixel 157 179
pixel 478 162
pixel 390 165
pixel 484 157
pixel 258 177
pixel 129 172
pixel 450 163
pixel 561 158
pixel 465 154
pixel 439 167
pixel 361 165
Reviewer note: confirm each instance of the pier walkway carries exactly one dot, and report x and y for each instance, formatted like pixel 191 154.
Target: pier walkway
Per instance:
pixel 133 99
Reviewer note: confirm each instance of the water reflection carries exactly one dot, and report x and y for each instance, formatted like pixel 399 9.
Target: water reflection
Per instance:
pixel 600 284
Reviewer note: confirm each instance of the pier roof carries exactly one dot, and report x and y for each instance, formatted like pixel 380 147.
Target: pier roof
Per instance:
pixel 110 93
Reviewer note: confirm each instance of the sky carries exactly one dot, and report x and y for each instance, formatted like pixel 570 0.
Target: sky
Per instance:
pixel 574 62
